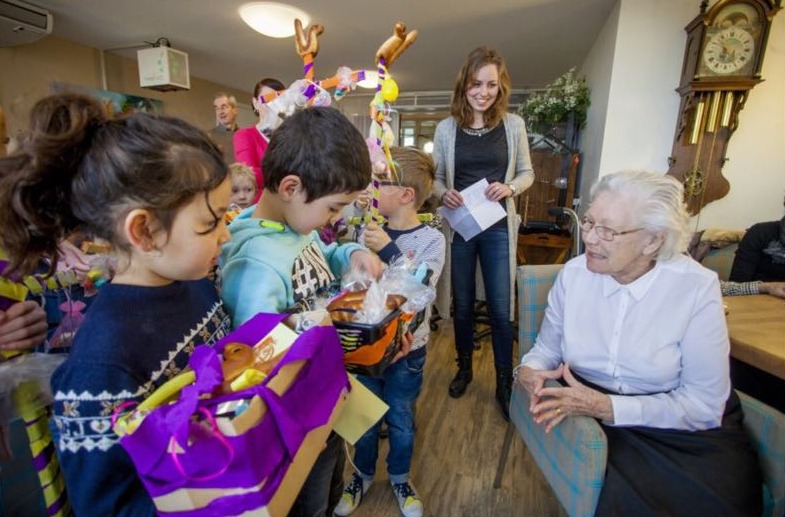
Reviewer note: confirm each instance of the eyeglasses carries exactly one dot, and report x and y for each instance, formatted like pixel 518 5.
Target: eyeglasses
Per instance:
pixel 603 232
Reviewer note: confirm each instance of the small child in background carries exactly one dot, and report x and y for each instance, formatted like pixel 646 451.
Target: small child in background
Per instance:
pixel 243 190
pixel 243 185
pixel 156 189
pixel 315 165
pixel 399 386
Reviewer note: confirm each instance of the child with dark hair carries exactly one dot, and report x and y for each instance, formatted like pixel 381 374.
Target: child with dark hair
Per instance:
pixel 156 189
pixel 316 164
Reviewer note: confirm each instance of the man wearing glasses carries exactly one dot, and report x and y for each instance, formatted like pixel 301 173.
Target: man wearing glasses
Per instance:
pixel 225 106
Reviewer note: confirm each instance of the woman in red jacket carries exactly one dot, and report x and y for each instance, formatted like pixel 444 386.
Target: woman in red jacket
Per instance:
pixel 250 143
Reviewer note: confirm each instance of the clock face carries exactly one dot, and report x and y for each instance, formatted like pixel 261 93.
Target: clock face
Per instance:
pixel 729 51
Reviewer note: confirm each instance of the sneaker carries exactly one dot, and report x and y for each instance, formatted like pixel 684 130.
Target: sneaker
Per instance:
pixel 408 500
pixel 352 495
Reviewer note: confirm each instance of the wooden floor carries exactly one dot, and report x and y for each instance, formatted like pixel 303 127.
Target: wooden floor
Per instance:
pixel 457 449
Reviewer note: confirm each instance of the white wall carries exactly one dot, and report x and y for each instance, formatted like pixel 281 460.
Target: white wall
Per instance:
pixel 598 69
pixel 645 51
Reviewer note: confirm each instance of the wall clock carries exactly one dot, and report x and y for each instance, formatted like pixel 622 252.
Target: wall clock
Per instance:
pixel 722 61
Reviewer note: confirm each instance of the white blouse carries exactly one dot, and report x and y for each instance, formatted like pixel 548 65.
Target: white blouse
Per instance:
pixel 660 342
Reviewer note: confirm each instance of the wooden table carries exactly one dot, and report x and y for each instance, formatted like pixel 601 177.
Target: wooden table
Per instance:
pixel 756 325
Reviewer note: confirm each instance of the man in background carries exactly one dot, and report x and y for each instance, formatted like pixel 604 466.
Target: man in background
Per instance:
pixel 225 106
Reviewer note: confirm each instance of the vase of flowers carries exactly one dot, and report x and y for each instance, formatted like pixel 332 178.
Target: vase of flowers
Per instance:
pixel 560 110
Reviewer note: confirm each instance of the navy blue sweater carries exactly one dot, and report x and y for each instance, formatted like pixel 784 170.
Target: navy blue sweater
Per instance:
pixel 132 340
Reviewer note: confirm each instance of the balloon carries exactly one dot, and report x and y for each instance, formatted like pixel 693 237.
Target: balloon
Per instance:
pixel 389 90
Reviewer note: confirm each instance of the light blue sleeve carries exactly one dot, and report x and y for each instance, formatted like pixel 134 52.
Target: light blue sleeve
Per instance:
pixel 249 287
pixel 338 255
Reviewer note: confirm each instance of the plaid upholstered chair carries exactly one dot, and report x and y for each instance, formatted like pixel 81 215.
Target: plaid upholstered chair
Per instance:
pixel 572 456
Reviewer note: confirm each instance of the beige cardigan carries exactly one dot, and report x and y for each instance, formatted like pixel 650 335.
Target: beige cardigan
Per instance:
pixel 519 173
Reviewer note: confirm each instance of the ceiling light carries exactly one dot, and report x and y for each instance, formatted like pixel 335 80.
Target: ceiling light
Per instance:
pixel 272 19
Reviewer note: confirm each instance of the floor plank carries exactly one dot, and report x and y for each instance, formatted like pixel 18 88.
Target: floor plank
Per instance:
pixel 457 449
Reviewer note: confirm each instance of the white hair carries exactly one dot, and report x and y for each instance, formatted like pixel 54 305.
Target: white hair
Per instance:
pixel 659 202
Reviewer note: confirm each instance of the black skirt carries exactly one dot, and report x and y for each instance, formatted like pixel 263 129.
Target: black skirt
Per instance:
pixel 658 472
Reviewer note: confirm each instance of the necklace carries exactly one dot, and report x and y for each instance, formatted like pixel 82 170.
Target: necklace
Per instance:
pixel 480 131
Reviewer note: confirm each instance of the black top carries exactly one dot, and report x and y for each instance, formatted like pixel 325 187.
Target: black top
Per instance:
pixel 751 262
pixel 478 157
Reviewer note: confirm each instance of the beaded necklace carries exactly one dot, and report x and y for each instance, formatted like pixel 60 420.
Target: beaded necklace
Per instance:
pixel 477 131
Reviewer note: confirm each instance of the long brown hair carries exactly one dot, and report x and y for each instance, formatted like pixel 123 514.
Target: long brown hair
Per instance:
pixel 460 108
pixel 78 170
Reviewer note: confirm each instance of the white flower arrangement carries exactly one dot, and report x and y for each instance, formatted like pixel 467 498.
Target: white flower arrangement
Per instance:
pixel 568 94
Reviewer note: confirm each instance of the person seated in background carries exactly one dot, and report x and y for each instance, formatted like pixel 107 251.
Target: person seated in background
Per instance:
pixel 636 332
pixel 755 287
pixel 225 107
pixel 761 254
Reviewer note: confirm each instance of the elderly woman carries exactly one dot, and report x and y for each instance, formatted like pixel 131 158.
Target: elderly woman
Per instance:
pixel 635 330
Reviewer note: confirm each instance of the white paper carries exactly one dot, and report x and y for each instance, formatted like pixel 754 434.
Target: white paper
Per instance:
pixel 476 214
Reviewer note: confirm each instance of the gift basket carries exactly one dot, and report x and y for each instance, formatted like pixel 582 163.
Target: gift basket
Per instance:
pixel 240 431
pixel 372 316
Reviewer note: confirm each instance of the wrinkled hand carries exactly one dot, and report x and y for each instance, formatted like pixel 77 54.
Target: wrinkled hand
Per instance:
pixel 773 288
pixel 555 404
pixel 533 380
pixel 452 199
pixel 366 261
pixel 22 326
pixel 497 191
pixel 406 346
pixel 374 237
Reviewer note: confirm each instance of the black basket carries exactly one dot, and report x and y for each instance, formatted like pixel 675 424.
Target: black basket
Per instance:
pixel 354 335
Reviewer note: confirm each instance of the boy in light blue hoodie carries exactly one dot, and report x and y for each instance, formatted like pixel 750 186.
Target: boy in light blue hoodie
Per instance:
pixel 316 164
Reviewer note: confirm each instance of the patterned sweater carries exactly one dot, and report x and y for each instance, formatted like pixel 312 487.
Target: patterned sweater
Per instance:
pixel 132 340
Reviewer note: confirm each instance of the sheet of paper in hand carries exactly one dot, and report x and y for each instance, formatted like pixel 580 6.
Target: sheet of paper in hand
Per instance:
pixel 476 214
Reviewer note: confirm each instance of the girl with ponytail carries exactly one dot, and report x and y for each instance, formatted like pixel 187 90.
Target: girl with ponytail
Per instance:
pixel 155 188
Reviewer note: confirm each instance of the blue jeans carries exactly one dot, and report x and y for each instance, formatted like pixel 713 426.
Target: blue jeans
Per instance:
pixel 492 249
pixel 399 387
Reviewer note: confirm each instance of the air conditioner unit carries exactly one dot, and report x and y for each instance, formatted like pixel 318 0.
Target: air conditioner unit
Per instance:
pixel 21 23
pixel 164 69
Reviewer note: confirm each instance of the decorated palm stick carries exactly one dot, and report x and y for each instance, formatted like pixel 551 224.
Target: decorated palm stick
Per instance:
pixel 330 82
pixel 386 91
pixel 35 417
pixel 307 45
pixel 395 44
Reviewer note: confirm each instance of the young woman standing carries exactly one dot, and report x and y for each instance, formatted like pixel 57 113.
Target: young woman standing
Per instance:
pixel 480 140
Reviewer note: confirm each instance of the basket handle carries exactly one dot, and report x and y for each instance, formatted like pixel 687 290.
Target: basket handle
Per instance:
pixel 119 410
pixel 220 437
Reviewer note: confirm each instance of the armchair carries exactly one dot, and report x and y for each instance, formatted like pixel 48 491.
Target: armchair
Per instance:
pixel 572 457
